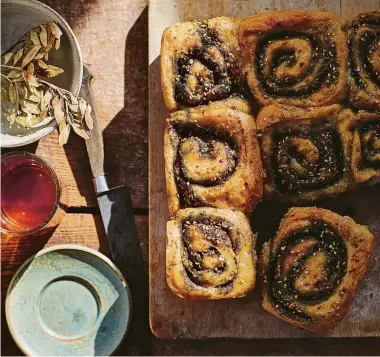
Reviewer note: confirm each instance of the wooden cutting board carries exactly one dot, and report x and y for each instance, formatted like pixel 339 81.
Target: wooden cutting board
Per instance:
pixel 170 316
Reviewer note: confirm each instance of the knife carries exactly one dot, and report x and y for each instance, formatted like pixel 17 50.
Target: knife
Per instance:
pixel 116 211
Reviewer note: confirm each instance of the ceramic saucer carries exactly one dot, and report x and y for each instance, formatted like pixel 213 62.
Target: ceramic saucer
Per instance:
pixel 68 300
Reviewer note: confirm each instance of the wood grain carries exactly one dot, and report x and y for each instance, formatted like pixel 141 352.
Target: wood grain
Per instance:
pixel 351 8
pixel 172 317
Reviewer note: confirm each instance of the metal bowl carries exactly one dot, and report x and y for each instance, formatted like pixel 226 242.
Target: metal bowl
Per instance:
pixel 17 18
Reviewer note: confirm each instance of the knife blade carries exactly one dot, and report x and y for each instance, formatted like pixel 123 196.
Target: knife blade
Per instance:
pixel 116 211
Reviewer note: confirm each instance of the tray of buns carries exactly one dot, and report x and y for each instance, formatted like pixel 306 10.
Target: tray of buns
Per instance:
pixel 264 164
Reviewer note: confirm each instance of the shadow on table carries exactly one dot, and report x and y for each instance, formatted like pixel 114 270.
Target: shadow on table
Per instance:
pixel 77 157
pixel 127 133
pixel 126 136
pixel 71 12
pixel 127 256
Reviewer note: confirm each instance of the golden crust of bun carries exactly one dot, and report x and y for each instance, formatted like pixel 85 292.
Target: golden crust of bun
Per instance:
pixel 365 160
pixel 212 158
pixel 210 254
pixel 187 51
pixel 305 152
pixel 363 35
pixel 313 67
pixel 313 266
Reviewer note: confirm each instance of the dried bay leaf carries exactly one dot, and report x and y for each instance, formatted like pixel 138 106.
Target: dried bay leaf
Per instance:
pixel 40 93
pixel 7 56
pixel 22 121
pixel 4 94
pixel 28 43
pixel 82 106
pixel 64 132
pixel 22 91
pixel 35 38
pixel 48 30
pixel 40 55
pixel 12 93
pixel 33 90
pixel 57 43
pixel 53 71
pixel 33 96
pixel 42 64
pixel 43 36
pixel 88 118
pixel 69 118
pixel 14 73
pixel 19 79
pixel 12 117
pixel 29 107
pixel 74 108
pixel 45 101
pixel 30 79
pixel 18 55
pixel 30 68
pixel 33 120
pixel 30 55
pixel 50 43
pixel 59 114
pixel 73 99
pixel 55 30
pixel 76 117
pixel 80 131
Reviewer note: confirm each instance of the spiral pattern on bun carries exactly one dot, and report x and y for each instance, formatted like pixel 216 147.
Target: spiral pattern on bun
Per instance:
pixel 295 57
pixel 209 254
pixel 200 62
pixel 305 151
pixel 365 161
pixel 364 50
pixel 313 266
pixel 202 74
pixel 212 158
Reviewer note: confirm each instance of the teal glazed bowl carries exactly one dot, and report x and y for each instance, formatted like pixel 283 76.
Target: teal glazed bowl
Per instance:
pixel 68 300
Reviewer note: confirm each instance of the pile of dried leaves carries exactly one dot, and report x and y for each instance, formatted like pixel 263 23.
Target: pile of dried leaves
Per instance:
pixel 36 101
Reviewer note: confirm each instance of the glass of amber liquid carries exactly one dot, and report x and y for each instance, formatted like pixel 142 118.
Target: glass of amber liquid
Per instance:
pixel 30 195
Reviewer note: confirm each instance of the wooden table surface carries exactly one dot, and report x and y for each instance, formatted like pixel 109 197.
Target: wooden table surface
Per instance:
pixel 113 35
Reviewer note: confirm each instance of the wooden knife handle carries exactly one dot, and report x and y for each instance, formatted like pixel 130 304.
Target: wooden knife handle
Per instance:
pixel 95 145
